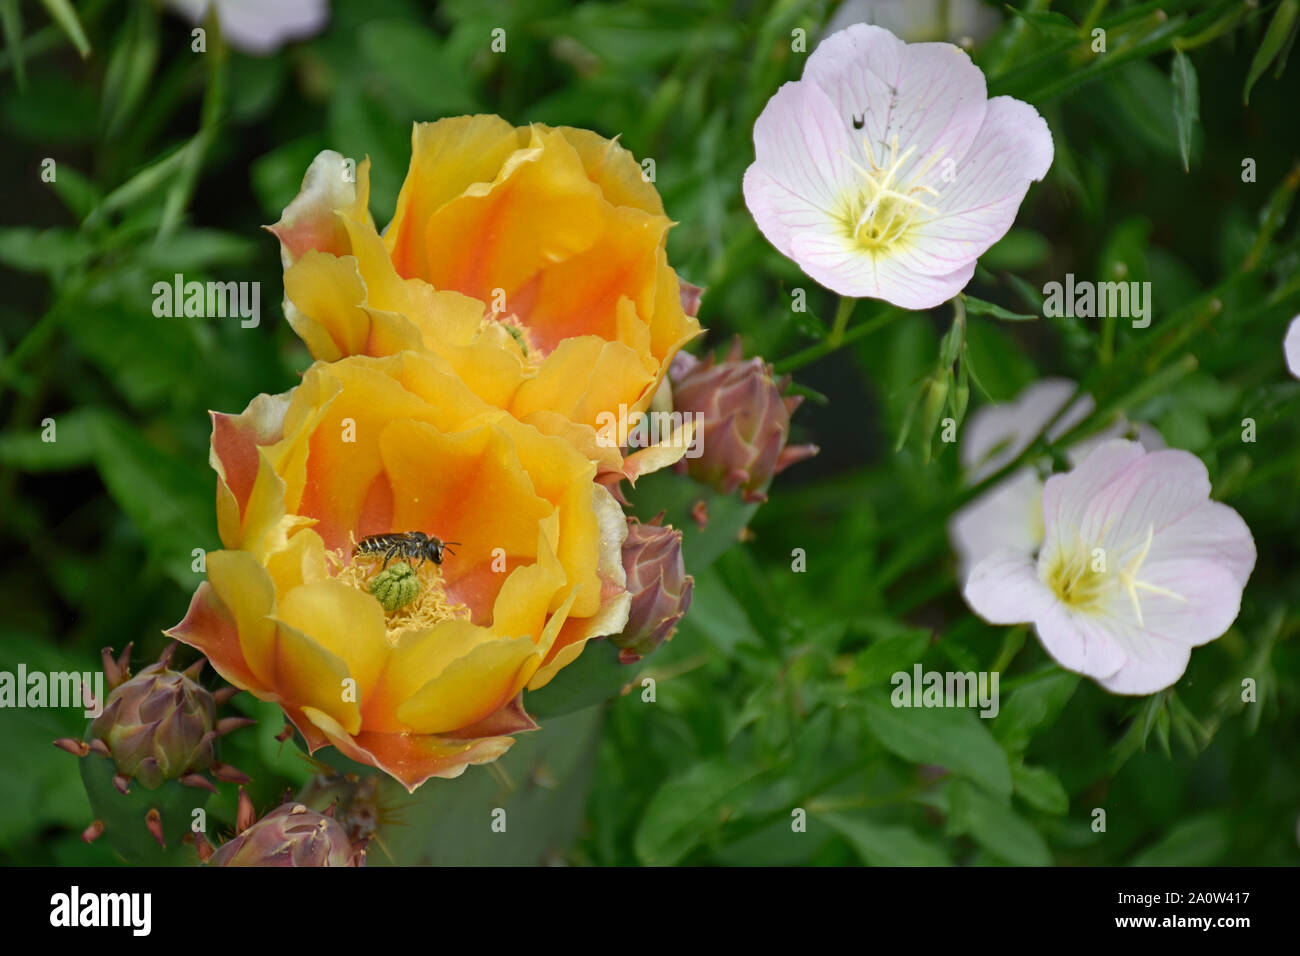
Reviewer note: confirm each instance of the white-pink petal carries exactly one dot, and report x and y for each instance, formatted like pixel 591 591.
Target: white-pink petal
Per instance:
pixel 1291 347
pixel 1013 149
pixel 802 146
pixel 930 95
pixel 1004 588
pixel 835 262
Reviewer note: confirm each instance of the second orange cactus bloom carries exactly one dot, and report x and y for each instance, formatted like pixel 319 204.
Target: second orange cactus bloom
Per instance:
pixel 531 259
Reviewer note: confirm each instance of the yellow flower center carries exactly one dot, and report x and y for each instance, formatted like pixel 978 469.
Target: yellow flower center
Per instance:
pixel 430 606
pixel 1081 577
pixel 1072 574
pixel 881 212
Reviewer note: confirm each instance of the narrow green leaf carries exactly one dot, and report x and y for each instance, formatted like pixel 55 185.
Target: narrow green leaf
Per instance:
pixel 11 17
pixel 1275 38
pixel 66 17
pixel 1187 106
pixel 130 67
pixel 979 307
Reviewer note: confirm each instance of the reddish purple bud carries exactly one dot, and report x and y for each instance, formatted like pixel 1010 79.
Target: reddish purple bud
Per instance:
pixel 159 725
pixel 744 422
pixel 690 295
pixel 660 588
pixel 290 835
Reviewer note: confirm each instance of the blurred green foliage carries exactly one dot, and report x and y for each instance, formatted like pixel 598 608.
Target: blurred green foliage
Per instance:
pixel 773 695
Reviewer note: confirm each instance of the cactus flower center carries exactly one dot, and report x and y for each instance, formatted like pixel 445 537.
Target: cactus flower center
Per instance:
pixel 413 598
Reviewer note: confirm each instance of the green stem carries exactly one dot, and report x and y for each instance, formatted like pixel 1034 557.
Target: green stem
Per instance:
pixel 825 347
pixel 1090 21
pixel 842 313
pixel 178 197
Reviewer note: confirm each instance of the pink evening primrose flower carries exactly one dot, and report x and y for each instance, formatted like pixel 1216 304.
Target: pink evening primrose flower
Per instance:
pixel 886 171
pixel 1137 567
pixel 259 27
pixel 1010 514
pixel 1291 346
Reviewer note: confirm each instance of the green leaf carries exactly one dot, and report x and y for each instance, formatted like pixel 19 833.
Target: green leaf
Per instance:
pixel 1187 105
pixel 952 737
pixel 1275 38
pixel 885 658
pixel 879 845
pixel 65 16
pixel 11 17
pixel 1033 705
pixel 408 57
pixel 50 251
pixel 168 499
pixel 1048 23
pixel 130 67
pixel 716 617
pixel 1200 841
pixel 48 790
pixel 1040 788
pixel 687 808
pixel 995 827
pixel 73 445
pixel 979 307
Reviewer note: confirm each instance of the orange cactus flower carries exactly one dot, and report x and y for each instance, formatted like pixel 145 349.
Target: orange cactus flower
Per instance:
pixel 394 445
pixel 531 259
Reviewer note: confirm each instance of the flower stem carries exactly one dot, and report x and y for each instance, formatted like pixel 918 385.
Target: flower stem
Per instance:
pixel 842 314
pixel 828 344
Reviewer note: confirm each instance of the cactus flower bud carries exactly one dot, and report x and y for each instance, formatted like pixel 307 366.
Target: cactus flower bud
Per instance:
pixel 744 422
pixel 159 725
pixel 660 588
pixel 158 729
pixel 290 835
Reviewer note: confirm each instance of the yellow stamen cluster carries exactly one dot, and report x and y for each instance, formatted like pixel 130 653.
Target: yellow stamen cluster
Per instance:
pixel 430 606
pixel 1080 577
pixel 883 210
